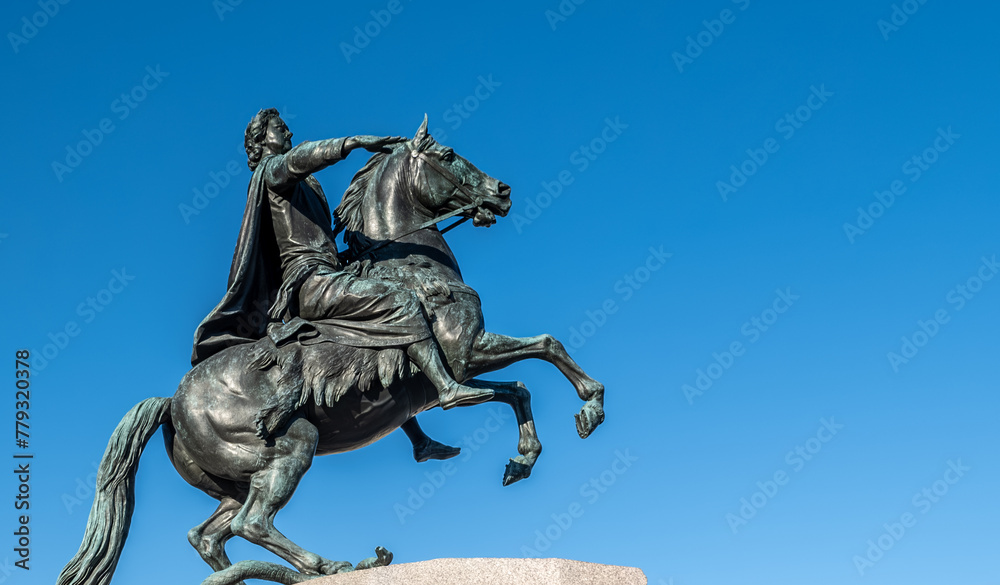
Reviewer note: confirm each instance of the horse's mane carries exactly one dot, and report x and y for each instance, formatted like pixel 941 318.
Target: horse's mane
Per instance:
pixel 348 217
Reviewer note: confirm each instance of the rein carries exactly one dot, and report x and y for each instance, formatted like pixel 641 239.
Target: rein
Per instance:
pixel 451 178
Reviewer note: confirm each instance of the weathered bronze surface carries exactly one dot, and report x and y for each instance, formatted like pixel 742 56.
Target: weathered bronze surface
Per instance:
pixel 314 353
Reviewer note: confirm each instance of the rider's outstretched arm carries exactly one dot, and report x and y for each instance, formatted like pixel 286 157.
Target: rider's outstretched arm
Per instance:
pixel 310 157
pixel 303 160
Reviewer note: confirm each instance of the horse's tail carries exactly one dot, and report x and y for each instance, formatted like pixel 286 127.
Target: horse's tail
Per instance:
pixel 111 514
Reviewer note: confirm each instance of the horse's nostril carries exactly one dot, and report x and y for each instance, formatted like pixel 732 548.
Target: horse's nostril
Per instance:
pixel 503 189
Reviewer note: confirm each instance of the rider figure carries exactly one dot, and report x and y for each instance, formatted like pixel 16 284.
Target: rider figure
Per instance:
pixel 286 243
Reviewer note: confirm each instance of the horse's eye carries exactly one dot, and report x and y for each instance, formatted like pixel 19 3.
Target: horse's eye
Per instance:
pixel 448 156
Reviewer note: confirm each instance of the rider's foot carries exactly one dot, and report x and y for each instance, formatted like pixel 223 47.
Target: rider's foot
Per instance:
pixel 450 393
pixel 455 394
pixel 431 449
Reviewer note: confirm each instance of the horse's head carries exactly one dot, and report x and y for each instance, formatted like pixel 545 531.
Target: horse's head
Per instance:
pixel 444 181
pixel 415 183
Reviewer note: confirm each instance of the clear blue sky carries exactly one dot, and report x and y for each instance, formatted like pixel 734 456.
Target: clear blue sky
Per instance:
pixel 772 271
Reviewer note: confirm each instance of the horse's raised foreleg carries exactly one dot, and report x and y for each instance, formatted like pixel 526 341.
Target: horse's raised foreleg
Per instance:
pixel 270 490
pixel 209 538
pixel 517 396
pixel 492 352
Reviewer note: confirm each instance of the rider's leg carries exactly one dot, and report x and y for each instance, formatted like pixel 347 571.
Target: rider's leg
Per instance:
pixel 370 300
pixel 424 447
pixel 450 393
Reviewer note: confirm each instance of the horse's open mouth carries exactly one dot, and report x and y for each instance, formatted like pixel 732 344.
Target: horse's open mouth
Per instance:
pixel 483 217
pixel 486 214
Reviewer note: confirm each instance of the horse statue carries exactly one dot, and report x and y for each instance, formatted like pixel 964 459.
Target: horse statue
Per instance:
pixel 388 216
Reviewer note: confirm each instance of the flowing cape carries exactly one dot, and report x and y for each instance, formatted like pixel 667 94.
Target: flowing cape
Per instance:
pixel 254 279
pixel 367 313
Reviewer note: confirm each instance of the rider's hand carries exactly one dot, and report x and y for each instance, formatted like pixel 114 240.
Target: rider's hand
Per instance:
pixel 373 143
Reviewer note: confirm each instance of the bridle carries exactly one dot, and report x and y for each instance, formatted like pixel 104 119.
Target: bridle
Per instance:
pixel 475 201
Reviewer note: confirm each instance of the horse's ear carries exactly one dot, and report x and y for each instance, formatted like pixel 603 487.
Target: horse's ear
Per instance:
pixel 421 132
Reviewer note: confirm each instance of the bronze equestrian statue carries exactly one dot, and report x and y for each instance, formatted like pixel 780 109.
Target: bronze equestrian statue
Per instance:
pixel 344 355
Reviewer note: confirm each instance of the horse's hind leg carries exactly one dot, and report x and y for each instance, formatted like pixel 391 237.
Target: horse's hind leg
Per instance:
pixel 270 490
pixel 209 538
pixel 492 352
pixel 517 396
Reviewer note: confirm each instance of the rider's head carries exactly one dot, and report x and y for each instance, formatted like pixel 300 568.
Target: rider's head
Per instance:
pixel 266 131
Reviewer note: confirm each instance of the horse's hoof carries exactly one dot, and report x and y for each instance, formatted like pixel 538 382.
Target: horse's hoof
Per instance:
pixel 591 415
pixel 383 558
pixel 516 471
